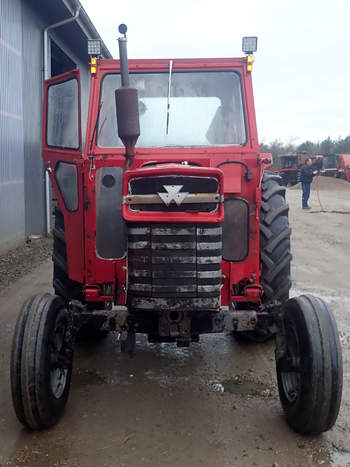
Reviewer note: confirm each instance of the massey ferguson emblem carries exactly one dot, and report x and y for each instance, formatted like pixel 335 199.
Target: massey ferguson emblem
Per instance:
pixel 173 194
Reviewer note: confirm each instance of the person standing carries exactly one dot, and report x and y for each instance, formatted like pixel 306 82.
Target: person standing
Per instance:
pixel 306 176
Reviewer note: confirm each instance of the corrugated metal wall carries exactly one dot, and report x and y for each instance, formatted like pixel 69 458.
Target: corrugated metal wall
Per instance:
pixel 22 187
pixel 12 226
pixel 32 111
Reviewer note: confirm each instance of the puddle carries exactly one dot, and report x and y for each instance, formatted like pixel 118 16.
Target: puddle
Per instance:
pixel 242 387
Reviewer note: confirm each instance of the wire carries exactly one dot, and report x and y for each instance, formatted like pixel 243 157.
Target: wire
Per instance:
pixel 318 194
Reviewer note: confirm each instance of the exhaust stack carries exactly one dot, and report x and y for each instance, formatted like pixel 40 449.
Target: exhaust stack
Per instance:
pixel 127 106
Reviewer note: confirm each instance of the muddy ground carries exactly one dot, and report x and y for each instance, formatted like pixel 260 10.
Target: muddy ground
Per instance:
pixel 214 404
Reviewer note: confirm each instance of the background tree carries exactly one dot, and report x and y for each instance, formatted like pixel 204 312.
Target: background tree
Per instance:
pixel 326 147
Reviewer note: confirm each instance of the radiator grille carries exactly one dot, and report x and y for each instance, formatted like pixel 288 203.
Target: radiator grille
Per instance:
pixel 186 184
pixel 175 261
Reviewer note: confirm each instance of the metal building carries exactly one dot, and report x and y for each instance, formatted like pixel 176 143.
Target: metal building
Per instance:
pixel 33 46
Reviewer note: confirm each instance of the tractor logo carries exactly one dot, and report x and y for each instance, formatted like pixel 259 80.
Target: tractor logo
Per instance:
pixel 173 194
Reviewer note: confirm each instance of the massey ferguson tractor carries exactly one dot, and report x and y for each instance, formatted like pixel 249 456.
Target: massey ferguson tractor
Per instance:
pixel 169 224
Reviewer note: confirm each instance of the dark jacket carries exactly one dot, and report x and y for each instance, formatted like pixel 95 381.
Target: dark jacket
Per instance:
pixel 306 174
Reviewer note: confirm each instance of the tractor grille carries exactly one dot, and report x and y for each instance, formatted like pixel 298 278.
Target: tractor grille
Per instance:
pixel 187 184
pixel 172 261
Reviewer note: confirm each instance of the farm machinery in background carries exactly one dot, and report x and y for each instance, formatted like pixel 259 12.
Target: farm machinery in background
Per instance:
pixel 331 165
pixel 290 165
pixel 169 224
pixel 336 165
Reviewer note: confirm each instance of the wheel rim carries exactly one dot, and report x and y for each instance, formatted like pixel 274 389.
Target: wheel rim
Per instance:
pixel 291 379
pixel 58 381
pixel 59 371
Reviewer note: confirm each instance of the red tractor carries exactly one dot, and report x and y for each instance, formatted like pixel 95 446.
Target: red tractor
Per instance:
pixel 184 233
pixel 290 165
pixel 336 165
pixel 344 166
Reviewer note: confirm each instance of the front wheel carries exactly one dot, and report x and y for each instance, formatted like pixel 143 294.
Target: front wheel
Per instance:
pixel 309 365
pixel 41 361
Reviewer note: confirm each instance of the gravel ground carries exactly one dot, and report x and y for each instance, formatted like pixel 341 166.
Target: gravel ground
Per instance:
pixel 20 261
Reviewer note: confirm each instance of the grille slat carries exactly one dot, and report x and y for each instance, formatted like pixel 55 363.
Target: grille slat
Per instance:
pixel 176 262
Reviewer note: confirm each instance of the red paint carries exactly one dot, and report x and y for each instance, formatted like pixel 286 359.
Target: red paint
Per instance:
pixel 344 164
pixel 83 263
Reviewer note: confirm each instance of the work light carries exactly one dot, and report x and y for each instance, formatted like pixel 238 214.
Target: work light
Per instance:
pixel 249 45
pixel 94 47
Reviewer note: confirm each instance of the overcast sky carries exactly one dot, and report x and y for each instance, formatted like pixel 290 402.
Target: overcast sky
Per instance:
pixel 302 66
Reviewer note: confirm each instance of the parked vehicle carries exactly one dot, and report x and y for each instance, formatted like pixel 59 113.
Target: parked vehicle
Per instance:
pixel 290 165
pixel 174 231
pixel 344 166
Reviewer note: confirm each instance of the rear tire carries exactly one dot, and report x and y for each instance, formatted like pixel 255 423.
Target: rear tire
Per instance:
pixel 41 361
pixel 67 288
pixel 310 373
pixel 275 234
pixel 62 285
pixel 275 252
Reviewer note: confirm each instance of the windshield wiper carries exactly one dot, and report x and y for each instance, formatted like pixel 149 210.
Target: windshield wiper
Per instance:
pixel 169 90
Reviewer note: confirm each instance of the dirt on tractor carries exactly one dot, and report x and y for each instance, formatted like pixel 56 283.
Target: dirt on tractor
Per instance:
pixel 214 404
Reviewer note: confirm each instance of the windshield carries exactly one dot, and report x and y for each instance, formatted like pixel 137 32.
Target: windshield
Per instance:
pixel 205 109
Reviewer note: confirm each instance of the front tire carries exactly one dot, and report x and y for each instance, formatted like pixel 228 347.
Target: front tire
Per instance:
pixel 41 361
pixel 309 371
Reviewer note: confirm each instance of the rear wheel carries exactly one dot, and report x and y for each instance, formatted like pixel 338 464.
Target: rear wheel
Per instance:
pixel 275 252
pixel 67 288
pixel 275 234
pixel 41 361
pixel 309 370
pixel 62 285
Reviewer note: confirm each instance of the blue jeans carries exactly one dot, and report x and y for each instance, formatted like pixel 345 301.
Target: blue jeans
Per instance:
pixel 306 193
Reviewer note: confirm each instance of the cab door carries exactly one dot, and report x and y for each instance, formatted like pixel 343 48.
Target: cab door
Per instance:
pixel 62 118
pixel 63 159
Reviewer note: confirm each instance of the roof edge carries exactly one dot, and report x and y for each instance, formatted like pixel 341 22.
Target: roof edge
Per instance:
pixel 86 25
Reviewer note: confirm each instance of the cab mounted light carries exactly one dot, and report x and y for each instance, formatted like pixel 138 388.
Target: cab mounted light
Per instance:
pixel 94 50
pixel 93 65
pixel 249 45
pixel 94 47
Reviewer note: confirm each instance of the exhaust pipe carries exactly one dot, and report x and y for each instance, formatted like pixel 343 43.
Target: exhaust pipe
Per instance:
pixel 127 105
